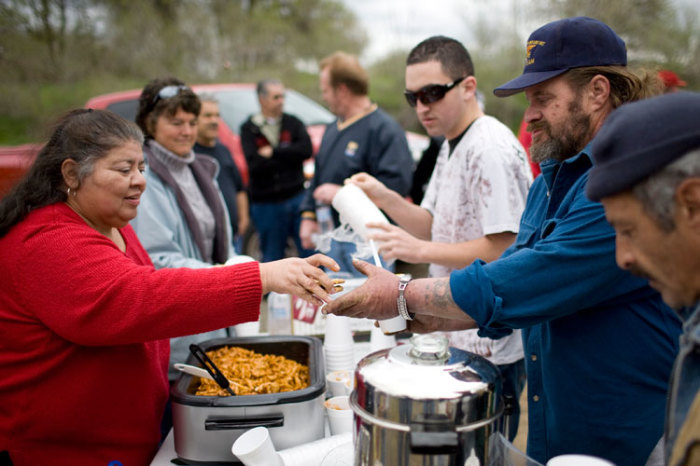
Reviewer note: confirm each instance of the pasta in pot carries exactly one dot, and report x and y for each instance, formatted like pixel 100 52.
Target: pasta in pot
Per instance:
pixel 250 373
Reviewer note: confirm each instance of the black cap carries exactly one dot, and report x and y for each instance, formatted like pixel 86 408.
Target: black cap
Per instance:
pixel 640 138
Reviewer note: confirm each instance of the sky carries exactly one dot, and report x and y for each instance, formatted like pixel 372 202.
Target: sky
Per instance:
pixel 392 24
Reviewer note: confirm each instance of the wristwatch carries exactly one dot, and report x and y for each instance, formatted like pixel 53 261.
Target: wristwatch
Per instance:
pixel 401 300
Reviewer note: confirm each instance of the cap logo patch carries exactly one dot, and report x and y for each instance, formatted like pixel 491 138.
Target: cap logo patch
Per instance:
pixel 531 45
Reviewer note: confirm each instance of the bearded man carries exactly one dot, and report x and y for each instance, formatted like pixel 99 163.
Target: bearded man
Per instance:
pixel 599 342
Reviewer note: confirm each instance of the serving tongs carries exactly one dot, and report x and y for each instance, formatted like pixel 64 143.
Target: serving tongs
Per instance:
pixel 211 368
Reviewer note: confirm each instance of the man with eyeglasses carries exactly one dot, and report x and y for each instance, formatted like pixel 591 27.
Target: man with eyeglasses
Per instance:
pixel 475 196
pixel 275 145
pixel 364 138
pixel 599 342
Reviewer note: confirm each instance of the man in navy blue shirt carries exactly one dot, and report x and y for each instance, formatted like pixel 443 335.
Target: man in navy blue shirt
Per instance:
pixel 599 343
pixel 364 138
pixel 647 175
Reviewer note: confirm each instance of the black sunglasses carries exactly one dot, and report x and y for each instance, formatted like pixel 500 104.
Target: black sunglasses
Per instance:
pixel 168 92
pixel 430 93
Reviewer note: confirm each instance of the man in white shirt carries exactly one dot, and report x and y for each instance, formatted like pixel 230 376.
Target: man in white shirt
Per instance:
pixel 476 194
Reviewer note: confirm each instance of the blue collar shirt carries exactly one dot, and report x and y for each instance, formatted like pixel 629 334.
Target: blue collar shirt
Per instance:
pixel 599 343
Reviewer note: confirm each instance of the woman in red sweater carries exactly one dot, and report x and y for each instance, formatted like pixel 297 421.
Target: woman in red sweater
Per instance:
pixel 84 316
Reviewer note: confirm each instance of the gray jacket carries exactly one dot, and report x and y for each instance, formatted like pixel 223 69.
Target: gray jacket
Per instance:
pixel 162 228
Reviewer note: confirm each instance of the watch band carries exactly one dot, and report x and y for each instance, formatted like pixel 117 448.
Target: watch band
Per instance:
pixel 404 279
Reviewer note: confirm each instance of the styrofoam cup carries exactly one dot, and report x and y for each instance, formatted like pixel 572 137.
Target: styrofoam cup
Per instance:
pixel 339 365
pixel 356 209
pixel 247 329
pixel 394 325
pixel 254 448
pixel 313 452
pixel 338 360
pixel 338 331
pixel 378 340
pixel 349 385
pixel 339 414
pixel 337 381
pixel 578 460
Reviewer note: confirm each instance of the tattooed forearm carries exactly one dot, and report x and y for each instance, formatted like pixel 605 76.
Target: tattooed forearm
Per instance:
pixel 442 296
pixel 434 297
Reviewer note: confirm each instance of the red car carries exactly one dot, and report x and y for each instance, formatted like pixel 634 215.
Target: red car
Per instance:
pixel 236 103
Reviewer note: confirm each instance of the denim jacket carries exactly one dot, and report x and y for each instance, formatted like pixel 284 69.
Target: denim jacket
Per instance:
pixel 599 342
pixel 685 388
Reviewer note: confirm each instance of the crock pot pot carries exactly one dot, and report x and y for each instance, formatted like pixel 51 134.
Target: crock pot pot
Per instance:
pixel 205 427
pixel 425 403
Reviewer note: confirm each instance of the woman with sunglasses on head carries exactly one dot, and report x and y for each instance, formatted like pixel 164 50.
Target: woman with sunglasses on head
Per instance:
pixel 183 220
pixel 85 316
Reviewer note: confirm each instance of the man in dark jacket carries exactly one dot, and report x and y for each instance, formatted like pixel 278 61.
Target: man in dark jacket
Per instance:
pixel 364 138
pixel 275 145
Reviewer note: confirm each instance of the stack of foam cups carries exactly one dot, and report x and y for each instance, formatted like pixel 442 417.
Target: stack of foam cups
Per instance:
pixel 357 210
pixel 338 344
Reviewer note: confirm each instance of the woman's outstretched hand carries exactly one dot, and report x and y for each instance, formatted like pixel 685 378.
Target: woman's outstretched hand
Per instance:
pixel 299 277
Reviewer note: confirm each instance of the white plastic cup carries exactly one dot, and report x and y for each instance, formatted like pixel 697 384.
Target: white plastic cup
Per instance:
pixel 339 414
pixel 356 209
pixel 313 452
pixel 349 385
pixel 578 460
pixel 394 325
pixel 339 364
pixel 378 340
pixel 254 448
pixel 342 455
pixel 337 381
pixel 247 329
pixel 338 331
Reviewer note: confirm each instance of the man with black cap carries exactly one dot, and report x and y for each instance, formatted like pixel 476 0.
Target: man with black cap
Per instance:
pixel 599 343
pixel 647 175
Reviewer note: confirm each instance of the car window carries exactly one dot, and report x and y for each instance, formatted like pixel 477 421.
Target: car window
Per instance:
pixel 125 108
pixel 238 104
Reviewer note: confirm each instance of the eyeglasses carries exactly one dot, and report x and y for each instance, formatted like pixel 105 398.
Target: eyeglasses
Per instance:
pixel 168 91
pixel 430 93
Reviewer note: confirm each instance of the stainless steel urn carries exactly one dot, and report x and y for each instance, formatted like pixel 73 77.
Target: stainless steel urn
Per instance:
pixel 425 403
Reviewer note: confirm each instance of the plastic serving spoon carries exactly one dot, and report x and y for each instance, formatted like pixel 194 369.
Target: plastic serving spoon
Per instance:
pixel 196 371
pixel 193 370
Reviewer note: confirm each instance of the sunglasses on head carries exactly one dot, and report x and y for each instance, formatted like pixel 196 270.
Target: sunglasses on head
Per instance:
pixel 167 92
pixel 430 93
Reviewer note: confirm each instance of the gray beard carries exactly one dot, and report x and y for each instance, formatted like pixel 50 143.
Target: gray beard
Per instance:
pixel 551 149
pixel 573 137
pixel 565 146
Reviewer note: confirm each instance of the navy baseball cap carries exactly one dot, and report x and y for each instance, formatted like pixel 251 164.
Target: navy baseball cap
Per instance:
pixel 639 139
pixel 568 43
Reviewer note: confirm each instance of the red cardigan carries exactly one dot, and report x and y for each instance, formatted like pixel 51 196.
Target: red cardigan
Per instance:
pixel 84 332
